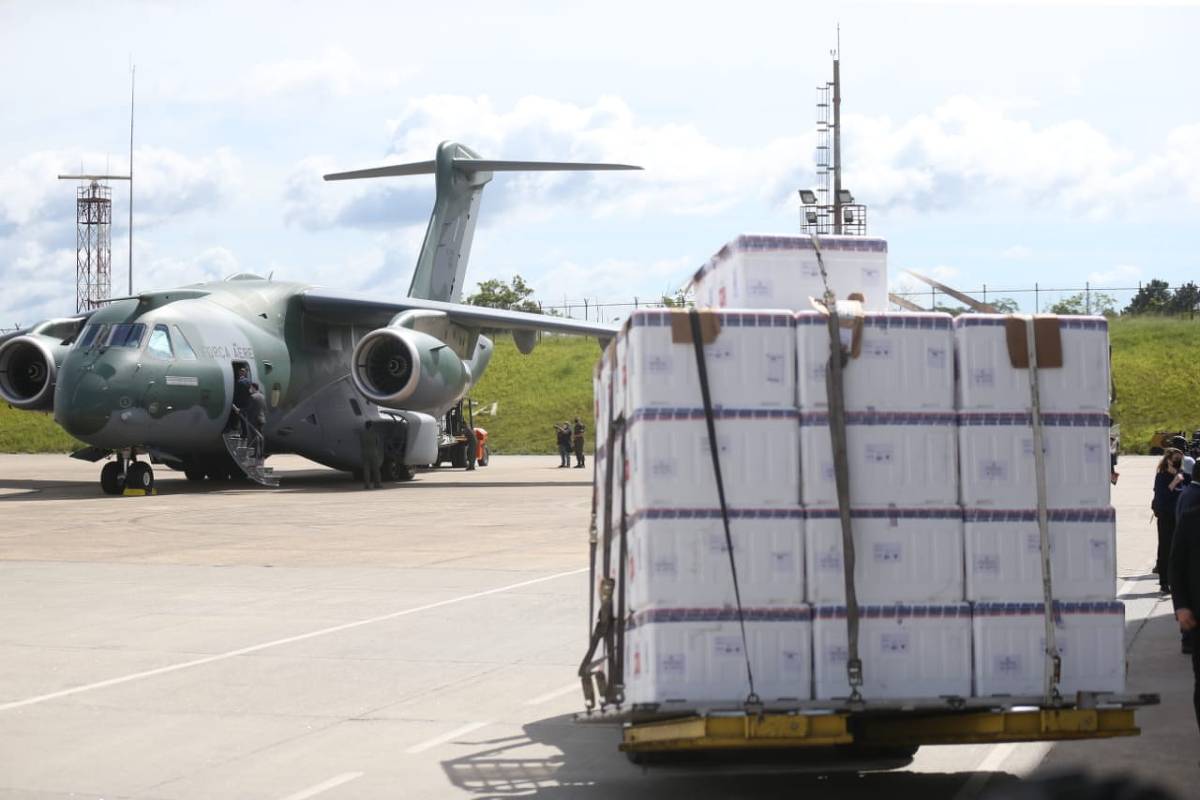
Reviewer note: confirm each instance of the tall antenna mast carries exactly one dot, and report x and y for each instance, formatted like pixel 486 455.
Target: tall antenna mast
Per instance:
pixel 132 80
pixel 837 135
pixel 830 208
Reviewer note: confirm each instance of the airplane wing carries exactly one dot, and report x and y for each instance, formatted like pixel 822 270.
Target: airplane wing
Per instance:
pixel 346 307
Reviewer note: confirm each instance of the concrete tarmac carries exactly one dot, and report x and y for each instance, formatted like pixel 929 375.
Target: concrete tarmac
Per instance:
pixel 321 641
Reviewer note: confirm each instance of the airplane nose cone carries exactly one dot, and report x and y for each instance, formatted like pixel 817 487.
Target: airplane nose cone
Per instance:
pixel 82 403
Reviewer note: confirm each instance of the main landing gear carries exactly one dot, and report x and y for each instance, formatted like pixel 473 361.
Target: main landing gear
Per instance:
pixel 127 473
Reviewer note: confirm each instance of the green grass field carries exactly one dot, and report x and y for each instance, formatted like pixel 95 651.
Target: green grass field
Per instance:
pixel 1154 362
pixel 1158 377
pixel 552 384
pixel 32 432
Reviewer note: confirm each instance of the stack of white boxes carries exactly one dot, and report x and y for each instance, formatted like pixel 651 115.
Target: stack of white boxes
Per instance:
pixel 1003 543
pixel 914 634
pixel 942 494
pixel 684 642
pixel 770 271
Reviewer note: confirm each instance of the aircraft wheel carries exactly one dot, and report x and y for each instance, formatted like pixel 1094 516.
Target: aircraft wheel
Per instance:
pixel 111 480
pixel 139 475
pixel 458 457
pixel 194 472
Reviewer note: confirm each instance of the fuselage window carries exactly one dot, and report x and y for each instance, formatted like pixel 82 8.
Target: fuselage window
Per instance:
pixel 160 343
pixel 186 353
pixel 126 334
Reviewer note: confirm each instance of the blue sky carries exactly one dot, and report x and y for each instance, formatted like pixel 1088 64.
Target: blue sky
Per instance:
pixel 1004 144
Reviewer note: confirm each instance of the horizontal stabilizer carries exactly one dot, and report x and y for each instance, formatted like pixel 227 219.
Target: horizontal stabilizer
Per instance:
pixel 416 168
pixel 470 165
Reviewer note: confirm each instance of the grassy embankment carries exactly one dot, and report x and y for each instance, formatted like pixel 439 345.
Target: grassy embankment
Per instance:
pixel 1154 362
pixel 32 432
pixel 1157 376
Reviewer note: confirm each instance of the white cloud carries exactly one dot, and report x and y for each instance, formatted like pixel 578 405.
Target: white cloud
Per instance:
pixel 34 204
pixel 1120 275
pixel 334 71
pixel 1018 252
pixel 686 172
pixel 969 150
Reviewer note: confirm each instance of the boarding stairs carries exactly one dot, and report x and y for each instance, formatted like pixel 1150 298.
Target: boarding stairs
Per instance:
pixel 246 448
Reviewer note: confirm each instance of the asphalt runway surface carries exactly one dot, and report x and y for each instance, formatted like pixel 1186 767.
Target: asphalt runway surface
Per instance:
pixel 320 641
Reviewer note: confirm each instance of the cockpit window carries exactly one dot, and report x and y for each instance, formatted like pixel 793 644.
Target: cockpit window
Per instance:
pixel 88 336
pixel 183 346
pixel 159 345
pixel 126 334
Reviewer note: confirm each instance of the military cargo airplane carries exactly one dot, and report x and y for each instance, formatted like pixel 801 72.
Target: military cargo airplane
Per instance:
pixel 151 378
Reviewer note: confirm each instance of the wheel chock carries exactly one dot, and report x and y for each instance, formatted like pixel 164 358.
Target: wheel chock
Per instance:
pixel 139 492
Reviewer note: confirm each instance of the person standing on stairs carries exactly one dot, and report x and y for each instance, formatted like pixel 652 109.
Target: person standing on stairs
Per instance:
pixel 256 416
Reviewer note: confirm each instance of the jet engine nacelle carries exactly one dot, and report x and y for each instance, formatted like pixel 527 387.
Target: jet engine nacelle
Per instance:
pixel 404 368
pixel 28 372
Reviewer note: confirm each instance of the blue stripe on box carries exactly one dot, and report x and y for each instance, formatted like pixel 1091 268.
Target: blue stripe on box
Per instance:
pixel 668 615
pixel 648 318
pixel 898 611
pixel 821 418
pixel 898 321
pixel 999 320
pixel 1039 609
pixel 715 513
pixel 886 513
pixel 688 414
pixel 1107 514
pixel 1091 419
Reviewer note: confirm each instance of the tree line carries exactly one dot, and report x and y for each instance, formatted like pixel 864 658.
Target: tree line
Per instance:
pixel 1154 297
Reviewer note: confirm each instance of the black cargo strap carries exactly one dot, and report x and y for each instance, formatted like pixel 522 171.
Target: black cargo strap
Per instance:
pixel 606 626
pixel 616 655
pixel 841 475
pixel 1053 657
pixel 713 448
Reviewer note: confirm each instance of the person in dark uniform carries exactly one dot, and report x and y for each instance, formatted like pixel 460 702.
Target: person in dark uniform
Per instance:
pixel 372 456
pixel 1168 482
pixel 241 397
pixel 577 441
pixel 472 448
pixel 1185 581
pixel 256 415
pixel 564 444
pixel 1189 501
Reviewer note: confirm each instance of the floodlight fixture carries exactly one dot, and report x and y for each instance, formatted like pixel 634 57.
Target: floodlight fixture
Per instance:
pixel 810 217
pixel 808 197
pixel 848 216
pixel 844 197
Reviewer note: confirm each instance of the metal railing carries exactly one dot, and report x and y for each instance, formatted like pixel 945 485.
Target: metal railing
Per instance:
pixel 1037 298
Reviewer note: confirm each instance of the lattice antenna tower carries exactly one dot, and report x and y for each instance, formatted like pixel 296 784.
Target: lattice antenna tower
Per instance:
pixel 93 230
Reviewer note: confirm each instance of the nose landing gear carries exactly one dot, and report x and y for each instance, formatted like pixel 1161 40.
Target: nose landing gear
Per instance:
pixel 127 475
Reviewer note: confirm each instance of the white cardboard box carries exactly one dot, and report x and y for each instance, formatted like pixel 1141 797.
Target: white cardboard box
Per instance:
pixel 670 465
pixel 693 658
pixel 905 363
pixel 902 555
pixel 908 651
pixel 1004 556
pixel 750 363
pixel 781 271
pixel 997 462
pixel 678 558
pixel 989 382
pixel 1010 644
pixel 906 459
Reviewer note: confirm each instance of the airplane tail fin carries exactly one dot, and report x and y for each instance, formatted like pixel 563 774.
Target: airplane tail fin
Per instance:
pixel 460 176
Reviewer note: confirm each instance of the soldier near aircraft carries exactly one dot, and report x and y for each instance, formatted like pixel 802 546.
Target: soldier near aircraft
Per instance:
pixel 158 375
pixel 577 443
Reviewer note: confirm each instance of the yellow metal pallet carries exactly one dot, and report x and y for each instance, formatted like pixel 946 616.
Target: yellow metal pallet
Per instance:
pixel 779 731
